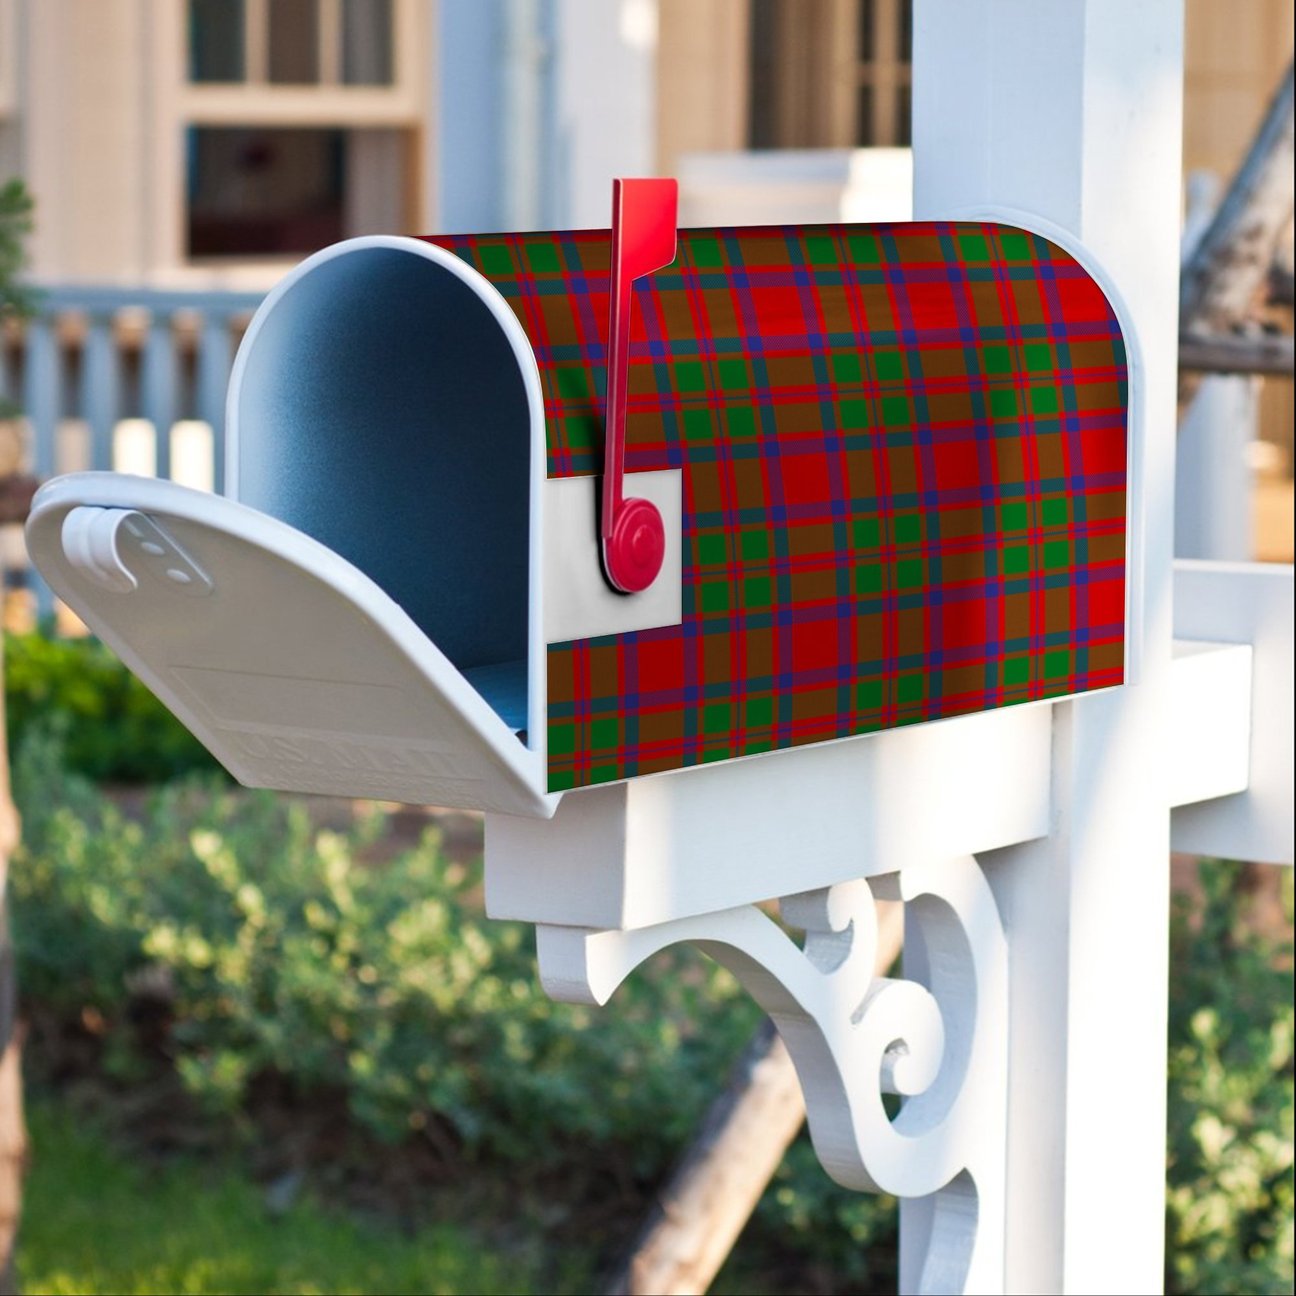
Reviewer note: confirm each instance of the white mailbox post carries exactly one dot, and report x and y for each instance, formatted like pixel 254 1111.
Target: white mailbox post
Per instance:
pixel 1032 1156
pixel 1030 844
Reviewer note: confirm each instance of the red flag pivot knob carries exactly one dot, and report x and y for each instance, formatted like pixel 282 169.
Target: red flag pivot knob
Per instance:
pixel 633 553
pixel 643 240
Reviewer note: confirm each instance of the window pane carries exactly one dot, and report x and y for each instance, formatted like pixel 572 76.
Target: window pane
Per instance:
pixel 762 54
pixel 864 130
pixel 867 19
pixel 367 42
pixel 294 42
pixel 256 192
pixel 216 40
pixel 904 106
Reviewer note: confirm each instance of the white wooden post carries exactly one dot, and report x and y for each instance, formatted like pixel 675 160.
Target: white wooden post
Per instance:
pixel 1213 509
pixel 1072 112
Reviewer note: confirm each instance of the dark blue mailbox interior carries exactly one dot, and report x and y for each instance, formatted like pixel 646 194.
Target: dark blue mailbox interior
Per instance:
pixel 382 411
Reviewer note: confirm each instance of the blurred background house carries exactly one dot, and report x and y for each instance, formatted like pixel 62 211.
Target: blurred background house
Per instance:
pixel 184 153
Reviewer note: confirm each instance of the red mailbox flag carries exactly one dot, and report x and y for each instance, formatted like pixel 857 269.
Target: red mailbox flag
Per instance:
pixel 643 240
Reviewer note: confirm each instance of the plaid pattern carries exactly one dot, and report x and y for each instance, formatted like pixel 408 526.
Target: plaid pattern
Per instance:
pixel 904 470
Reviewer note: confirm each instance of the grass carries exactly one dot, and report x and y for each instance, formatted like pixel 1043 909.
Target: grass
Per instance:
pixel 96 1221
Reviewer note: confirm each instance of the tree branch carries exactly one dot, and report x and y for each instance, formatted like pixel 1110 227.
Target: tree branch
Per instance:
pixel 1237 353
pixel 1227 270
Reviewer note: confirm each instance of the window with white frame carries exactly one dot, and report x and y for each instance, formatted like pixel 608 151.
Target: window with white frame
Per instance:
pixel 301 123
pixel 292 42
pixel 830 73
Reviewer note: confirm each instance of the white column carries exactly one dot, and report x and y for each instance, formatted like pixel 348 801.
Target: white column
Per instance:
pixel 1073 112
pixel 605 103
pixel 1214 514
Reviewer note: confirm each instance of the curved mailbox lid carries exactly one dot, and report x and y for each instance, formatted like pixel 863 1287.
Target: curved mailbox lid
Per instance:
pixel 286 661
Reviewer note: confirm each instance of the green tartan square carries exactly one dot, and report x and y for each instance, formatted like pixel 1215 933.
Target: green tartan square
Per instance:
pixel 758 712
pixel 495 259
pixel 583 431
pixel 1057 553
pixel 1016 560
pixel 863 249
pixel 711 754
pixel 561 780
pixel 868 694
pixel 688 376
pixel 996 360
pixel 562 739
pixel 910 572
pixel 868 578
pixel 1057 512
pixel 867 532
pixel 542 257
pixel 1043 400
pixel 889 366
pixel 1016 247
pixel 754 746
pixel 1039 356
pixel 698 424
pixel 715 597
pixel 604 774
pixel 573 381
pixel 712 549
pixel 754 544
pixel 820 250
pixel 974 247
pixel 1014 516
pixel 707 253
pixel 909 688
pixel 605 733
pixel 717 718
pixel 1057 663
pixel 1016 670
pixel 741 421
pixel 733 374
pixel 1003 402
pixel 895 411
pixel 908 528
pixel 846 367
pixel 757 592
pixel 854 414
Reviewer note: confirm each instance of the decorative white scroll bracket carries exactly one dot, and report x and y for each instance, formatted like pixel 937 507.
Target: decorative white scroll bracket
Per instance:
pixel 936 1037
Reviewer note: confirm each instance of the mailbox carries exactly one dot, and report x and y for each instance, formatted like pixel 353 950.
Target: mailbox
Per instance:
pixel 885 467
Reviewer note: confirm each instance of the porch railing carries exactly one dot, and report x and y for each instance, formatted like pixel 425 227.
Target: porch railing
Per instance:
pixel 126 379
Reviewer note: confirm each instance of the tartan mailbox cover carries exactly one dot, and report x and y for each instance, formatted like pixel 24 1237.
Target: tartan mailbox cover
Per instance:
pixel 898 457
pixel 904 460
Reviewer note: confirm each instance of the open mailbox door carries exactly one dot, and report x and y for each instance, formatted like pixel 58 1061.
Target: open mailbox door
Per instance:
pixel 365 620
pixel 293 667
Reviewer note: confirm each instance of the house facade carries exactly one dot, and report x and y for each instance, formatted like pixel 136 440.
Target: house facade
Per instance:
pixel 211 143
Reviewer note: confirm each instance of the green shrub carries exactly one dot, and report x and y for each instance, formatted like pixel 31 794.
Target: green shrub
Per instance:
pixel 283 954
pixel 113 728
pixel 1229 1200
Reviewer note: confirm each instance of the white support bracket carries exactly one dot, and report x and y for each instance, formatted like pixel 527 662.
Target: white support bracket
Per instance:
pixel 936 1037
